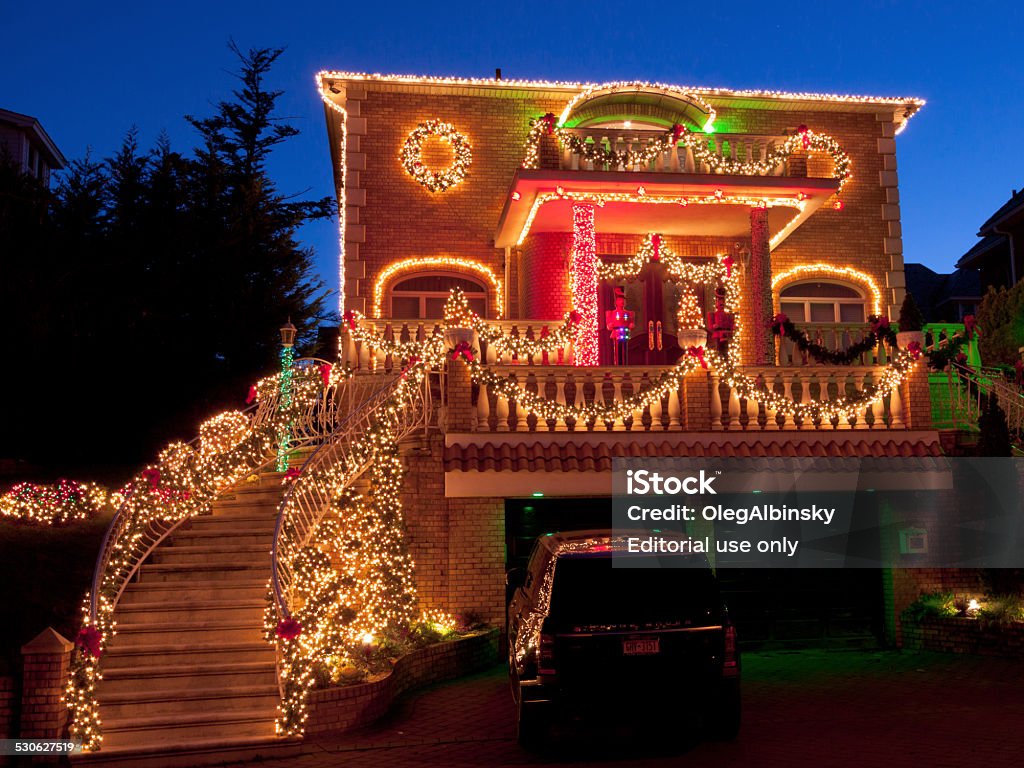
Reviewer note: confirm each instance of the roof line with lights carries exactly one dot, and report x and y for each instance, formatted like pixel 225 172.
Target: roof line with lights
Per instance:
pixel 911 104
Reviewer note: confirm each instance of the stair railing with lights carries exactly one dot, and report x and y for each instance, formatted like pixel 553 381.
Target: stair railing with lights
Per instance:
pixel 334 466
pixel 309 428
pixel 968 388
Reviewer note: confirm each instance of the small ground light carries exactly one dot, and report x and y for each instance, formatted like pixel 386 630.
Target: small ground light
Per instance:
pixel 538 494
pixel 367 639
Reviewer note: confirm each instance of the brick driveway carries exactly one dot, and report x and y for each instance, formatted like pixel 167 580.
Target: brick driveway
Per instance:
pixel 807 708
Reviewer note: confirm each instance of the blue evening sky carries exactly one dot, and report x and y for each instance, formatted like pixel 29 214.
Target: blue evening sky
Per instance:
pixel 89 71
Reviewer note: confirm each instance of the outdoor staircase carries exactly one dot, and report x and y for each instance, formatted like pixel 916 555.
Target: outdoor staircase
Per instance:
pixel 188 671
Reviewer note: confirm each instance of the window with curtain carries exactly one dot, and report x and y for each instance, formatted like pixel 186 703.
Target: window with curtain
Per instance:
pixel 823 302
pixel 423 296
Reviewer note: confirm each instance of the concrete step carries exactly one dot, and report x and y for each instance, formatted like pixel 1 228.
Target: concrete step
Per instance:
pixel 187 634
pixel 253 699
pixel 190 677
pixel 197 752
pixel 156 654
pixel 240 523
pixel 251 573
pixel 159 591
pixel 221 552
pixel 212 534
pixel 153 731
pixel 199 610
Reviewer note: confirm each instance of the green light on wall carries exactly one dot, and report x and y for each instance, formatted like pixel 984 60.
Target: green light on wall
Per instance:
pixel 538 494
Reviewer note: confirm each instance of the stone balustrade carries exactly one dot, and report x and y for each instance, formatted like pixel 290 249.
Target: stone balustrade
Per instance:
pixel 834 336
pixel 728 410
pixel 679 159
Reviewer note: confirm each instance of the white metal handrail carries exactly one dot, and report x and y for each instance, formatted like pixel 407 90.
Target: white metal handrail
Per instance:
pixel 309 427
pixel 971 387
pixel 335 465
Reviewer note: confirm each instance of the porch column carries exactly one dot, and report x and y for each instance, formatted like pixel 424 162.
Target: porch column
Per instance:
pixel 759 287
pixel 583 283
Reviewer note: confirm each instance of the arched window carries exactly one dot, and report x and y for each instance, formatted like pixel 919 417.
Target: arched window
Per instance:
pixel 822 302
pixel 423 296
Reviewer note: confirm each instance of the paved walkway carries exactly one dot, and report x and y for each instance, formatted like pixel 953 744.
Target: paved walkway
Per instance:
pixel 808 708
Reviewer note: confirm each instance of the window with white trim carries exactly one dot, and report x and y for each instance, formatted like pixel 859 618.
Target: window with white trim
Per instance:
pixel 823 302
pixel 423 295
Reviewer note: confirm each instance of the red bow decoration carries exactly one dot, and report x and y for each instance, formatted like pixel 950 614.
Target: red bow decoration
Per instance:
pixel 463 349
pixel 88 639
pixel 152 476
pixel 805 135
pixel 413 359
pixel 288 629
pixel 549 122
pixel 879 324
pixel 914 348
pixel 777 323
pixel 969 325
pixel 291 475
pixel 656 244
pixel 575 317
pixel 961 359
pixel 325 374
pixel 698 352
pixel 677 131
pixel 349 317
pixel 728 261
pixel 251 397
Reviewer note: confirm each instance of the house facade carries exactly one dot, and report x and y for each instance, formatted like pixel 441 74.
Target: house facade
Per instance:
pixel 539 199
pixel 28 146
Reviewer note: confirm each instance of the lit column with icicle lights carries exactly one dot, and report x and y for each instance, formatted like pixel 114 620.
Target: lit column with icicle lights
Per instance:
pixel 583 282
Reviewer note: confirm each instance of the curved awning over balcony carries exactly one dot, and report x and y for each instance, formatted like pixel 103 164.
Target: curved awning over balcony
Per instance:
pixel 633 202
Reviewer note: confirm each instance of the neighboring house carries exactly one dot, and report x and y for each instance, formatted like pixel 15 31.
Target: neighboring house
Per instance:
pixel 443 183
pixel 944 298
pixel 999 255
pixel 23 140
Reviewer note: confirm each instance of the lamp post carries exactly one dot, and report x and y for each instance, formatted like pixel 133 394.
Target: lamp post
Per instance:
pixel 288 332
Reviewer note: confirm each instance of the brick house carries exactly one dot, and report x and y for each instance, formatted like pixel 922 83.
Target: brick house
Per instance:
pixel 755 177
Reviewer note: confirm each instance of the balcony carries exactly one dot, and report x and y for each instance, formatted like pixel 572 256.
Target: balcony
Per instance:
pixel 705 403
pixel 687 194
pixel 741 147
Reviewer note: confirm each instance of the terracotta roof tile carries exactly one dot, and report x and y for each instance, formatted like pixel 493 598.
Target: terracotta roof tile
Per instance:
pixel 588 456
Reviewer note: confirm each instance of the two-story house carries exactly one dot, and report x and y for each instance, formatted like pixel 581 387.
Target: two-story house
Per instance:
pixel 28 146
pixel 540 198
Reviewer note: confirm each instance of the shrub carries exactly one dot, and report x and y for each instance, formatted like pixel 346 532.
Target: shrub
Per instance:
pixel 911 318
pixel 931 605
pixel 1001 611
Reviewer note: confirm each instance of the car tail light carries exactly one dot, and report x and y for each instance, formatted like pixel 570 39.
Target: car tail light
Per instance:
pixel 730 667
pixel 546 658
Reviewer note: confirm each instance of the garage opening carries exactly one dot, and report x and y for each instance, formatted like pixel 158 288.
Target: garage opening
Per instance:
pixel 772 608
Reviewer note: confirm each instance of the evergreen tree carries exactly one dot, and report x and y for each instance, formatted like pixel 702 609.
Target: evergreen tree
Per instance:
pixel 995 433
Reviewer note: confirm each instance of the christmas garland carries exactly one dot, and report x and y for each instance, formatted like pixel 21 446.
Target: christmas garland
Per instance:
pixel 589 413
pixel 940 358
pixel 804 140
pixel 412 156
pixel 457 314
pixel 783 327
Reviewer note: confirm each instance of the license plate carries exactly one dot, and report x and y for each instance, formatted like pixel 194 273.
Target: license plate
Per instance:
pixel 647 646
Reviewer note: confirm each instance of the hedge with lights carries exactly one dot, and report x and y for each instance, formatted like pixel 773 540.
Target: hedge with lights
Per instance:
pixel 57 504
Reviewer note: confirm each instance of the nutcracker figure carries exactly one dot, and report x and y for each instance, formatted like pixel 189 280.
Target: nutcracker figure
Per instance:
pixel 620 321
pixel 721 325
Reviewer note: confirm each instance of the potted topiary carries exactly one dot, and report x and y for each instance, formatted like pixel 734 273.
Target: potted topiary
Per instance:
pixel 690 330
pixel 911 323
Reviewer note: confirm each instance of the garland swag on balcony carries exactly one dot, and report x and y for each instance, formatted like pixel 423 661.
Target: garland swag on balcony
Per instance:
pixel 782 326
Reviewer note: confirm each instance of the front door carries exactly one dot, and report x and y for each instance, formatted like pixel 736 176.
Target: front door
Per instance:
pixel 654 339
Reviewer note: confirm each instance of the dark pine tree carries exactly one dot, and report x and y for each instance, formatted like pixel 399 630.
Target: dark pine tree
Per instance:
pixel 994 439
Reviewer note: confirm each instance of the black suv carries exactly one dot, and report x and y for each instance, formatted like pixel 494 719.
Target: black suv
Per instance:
pixel 584 637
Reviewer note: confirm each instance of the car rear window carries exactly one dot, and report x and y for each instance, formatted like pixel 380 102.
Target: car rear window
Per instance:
pixel 588 591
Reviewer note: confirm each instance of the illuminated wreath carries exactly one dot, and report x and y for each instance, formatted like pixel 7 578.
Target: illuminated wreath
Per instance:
pixel 412 156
